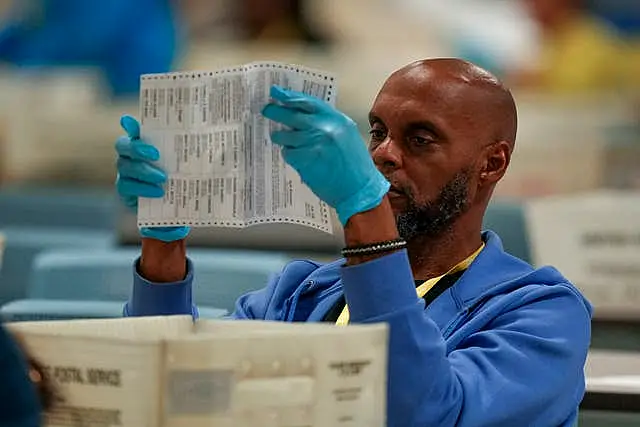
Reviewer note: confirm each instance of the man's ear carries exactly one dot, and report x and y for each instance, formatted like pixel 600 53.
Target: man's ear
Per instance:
pixel 496 160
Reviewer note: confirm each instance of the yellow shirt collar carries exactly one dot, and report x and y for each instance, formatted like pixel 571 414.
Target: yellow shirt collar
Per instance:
pixel 422 290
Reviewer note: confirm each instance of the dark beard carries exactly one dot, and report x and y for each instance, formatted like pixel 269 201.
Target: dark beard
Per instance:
pixel 434 218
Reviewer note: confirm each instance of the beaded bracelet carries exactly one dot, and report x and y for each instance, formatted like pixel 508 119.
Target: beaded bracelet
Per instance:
pixel 374 248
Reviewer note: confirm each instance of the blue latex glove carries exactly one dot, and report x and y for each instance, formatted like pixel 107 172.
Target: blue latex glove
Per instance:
pixel 326 149
pixel 138 177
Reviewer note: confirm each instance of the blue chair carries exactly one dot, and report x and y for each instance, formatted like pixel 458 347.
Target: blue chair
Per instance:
pixel 106 275
pixel 506 218
pixel 38 310
pixel 24 243
pixel 58 207
pixel 28 310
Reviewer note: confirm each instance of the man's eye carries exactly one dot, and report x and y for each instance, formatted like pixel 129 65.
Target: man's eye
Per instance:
pixel 376 134
pixel 420 141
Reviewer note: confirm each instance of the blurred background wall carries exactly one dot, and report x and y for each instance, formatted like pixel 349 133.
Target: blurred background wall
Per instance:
pixel 70 68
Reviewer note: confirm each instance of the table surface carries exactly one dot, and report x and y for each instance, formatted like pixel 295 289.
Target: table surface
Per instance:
pixel 613 371
pixel 613 381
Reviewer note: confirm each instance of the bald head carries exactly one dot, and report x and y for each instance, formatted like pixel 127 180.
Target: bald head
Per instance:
pixel 475 93
pixel 442 132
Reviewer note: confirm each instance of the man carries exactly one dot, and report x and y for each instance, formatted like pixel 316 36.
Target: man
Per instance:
pixel 488 340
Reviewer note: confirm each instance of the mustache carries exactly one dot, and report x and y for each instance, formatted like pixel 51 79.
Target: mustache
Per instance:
pixel 399 188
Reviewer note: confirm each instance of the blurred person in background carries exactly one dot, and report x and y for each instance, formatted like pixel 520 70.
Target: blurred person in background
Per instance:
pixel 271 21
pixel 277 21
pixel 40 34
pixel 477 336
pixel 579 51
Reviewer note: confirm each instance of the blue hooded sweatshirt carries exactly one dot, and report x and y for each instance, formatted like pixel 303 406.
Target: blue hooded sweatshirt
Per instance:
pixel 505 345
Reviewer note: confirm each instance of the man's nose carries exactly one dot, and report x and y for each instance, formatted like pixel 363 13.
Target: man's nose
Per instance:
pixel 387 156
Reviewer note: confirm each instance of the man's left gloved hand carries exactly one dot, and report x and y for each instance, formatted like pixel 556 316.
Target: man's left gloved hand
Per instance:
pixel 326 149
pixel 138 177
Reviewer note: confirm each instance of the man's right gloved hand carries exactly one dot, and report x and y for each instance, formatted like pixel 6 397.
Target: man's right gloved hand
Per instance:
pixel 138 177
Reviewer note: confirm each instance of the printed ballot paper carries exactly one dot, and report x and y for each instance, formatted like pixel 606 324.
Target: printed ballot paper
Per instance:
pixel 215 146
pixel 172 372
